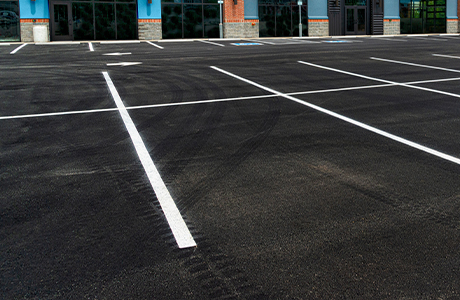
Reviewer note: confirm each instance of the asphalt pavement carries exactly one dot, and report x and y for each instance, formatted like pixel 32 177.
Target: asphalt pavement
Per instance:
pixel 300 168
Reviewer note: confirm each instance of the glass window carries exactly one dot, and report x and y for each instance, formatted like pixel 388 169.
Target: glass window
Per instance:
pixel 82 15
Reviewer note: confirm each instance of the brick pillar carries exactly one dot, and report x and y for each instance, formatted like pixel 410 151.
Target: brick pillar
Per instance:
pixel 318 27
pixel 235 25
pixel 149 29
pixel 27 28
pixel 391 26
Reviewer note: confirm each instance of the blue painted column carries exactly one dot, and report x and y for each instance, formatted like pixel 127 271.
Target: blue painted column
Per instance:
pixel 452 25
pixel 391 19
pixel 149 19
pixel 318 21
pixel 33 13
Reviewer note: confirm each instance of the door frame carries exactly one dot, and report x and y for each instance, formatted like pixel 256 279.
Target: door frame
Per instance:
pixel 355 9
pixel 53 25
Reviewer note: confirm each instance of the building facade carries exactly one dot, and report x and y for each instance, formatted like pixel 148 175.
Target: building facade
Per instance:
pixel 86 20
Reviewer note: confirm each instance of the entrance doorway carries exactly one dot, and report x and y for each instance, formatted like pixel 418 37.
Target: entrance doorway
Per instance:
pixel 356 22
pixel 61 22
pixel 93 20
pixel 355 18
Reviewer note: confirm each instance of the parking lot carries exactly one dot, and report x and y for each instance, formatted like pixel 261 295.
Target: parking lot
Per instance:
pixel 220 169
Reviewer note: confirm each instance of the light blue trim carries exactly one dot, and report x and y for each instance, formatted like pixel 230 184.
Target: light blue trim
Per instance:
pixel 149 11
pixel 451 9
pixel 391 9
pixel 251 9
pixel 37 9
pixel 317 9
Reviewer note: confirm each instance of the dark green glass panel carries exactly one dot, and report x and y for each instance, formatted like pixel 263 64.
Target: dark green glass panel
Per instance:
pixel 9 21
pixel 61 19
pixel 193 21
pixel 283 21
pixel 171 21
pixel 295 20
pixel 211 21
pixel 126 21
pixel 105 21
pixel 267 19
pixel 350 19
pixel 210 1
pixel 82 15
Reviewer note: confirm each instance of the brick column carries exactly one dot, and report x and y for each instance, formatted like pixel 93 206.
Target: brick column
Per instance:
pixel 391 26
pixel 318 27
pixel 149 29
pixel 27 28
pixel 235 25
pixel 451 25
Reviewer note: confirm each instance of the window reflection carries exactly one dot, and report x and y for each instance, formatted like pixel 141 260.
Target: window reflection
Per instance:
pixel 9 21
pixel 281 18
pixel 190 19
pixel 422 16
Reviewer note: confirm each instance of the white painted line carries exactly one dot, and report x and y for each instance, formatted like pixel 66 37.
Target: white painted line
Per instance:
pixel 118 53
pixel 57 43
pixel 155 45
pixel 119 42
pixel 215 44
pixel 259 41
pixel 177 224
pixel 124 64
pixel 302 41
pixel 219 100
pixel 415 65
pixel 5 44
pixel 381 36
pixel 174 41
pixel 393 39
pixel 449 34
pixel 90 46
pixel 75 112
pixel 382 80
pixel 224 39
pixel 348 120
pixel 448 56
pixel 18 48
pixel 427 39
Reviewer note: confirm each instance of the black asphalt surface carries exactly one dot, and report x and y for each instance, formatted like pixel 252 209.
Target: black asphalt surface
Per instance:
pixel 283 201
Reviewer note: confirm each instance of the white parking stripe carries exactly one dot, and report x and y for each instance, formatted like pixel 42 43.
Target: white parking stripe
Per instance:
pixel 75 112
pixel 90 46
pixel 148 42
pixel 448 56
pixel 178 227
pixel 18 48
pixel 346 119
pixel 415 65
pixel 212 43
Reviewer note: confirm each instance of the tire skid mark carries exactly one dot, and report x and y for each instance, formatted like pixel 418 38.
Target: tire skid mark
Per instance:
pixel 204 186
pixel 395 200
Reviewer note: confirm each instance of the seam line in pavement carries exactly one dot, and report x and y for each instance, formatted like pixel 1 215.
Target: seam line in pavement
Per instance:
pixel 177 224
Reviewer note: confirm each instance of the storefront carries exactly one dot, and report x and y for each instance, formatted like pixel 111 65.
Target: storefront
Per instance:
pixel 93 20
pixel 9 21
pixel 86 20
pixel 425 16
pixel 281 18
pixel 190 19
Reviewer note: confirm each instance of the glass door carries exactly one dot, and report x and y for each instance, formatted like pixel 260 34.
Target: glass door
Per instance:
pixel 355 18
pixel 61 22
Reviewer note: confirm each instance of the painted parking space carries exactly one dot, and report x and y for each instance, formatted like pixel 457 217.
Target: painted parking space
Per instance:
pixel 282 199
